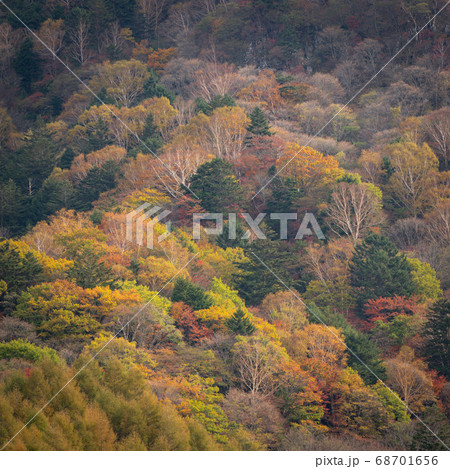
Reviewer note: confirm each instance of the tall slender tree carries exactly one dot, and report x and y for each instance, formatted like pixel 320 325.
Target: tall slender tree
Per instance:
pixel 436 333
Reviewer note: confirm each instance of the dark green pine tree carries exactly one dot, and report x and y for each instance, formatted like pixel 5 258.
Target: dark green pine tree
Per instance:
pixel 151 136
pixel 285 195
pixel 222 101
pixel 135 267
pixel 201 105
pixel 17 273
pixel 33 14
pixel 33 163
pixel 189 293
pixel 17 270
pixel 217 187
pixel 27 65
pixel 284 198
pixel 51 197
pixel 66 158
pixel 11 207
pixel 152 88
pixel 207 107
pixel 254 280
pixel 88 271
pixel 436 334
pixel 98 137
pixel 366 357
pixel 377 269
pixel 225 239
pixel 97 180
pixel 387 169
pixel 151 140
pixel 436 424
pixel 258 123
pixel 240 324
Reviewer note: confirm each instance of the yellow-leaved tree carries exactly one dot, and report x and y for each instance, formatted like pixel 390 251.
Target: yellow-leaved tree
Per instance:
pixel 308 167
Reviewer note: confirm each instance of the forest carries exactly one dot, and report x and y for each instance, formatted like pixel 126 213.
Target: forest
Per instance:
pixel 336 108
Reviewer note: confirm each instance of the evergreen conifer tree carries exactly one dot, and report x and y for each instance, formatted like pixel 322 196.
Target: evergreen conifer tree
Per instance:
pixel 27 65
pixel 217 187
pixel 240 324
pixel 190 294
pixel 254 281
pixel 436 330
pixel 89 271
pixel 377 269
pixel 258 123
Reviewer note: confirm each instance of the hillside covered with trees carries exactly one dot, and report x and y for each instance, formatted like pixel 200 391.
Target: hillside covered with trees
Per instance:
pixel 225 342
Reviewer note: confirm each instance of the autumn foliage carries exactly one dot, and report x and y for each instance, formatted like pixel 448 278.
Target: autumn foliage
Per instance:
pixel 231 339
pixel 193 330
pixel 386 309
pixel 308 167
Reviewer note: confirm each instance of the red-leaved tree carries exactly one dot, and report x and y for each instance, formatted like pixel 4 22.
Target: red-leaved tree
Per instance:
pixel 185 319
pixel 385 309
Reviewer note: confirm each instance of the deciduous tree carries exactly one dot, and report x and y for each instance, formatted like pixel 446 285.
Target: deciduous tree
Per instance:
pixel 124 80
pixel 411 183
pixel 426 284
pixel 437 129
pixel 186 320
pixel 387 309
pixel 283 308
pixel 309 168
pixel 319 343
pixel 265 91
pixel 52 34
pixel 354 209
pixel 216 79
pixel 79 32
pixel 407 377
pixel 257 361
pixel 227 127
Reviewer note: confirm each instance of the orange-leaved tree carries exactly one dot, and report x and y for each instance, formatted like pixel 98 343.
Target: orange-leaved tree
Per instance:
pixel 158 59
pixel 308 167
